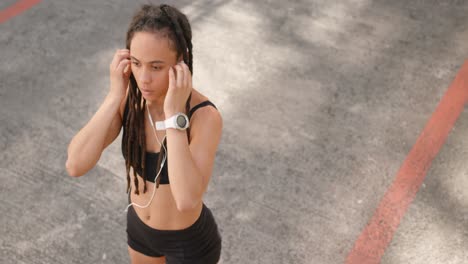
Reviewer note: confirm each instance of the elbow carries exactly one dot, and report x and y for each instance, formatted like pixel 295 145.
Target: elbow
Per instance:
pixel 71 169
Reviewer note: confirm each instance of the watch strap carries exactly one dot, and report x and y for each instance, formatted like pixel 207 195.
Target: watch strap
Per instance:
pixel 168 123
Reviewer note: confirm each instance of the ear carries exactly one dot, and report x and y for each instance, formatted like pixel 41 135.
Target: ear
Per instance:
pixel 181 58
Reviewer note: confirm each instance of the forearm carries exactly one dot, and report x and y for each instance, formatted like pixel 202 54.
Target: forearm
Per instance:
pixel 86 146
pixel 186 180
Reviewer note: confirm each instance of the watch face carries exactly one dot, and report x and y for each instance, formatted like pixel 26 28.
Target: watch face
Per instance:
pixel 181 121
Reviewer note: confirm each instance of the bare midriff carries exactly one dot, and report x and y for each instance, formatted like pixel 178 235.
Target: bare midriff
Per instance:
pixel 162 213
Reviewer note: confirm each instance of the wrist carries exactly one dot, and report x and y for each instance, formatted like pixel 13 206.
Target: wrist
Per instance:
pixel 170 113
pixel 179 121
pixel 114 97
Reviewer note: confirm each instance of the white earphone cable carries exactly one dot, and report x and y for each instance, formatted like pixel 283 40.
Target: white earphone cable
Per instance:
pixel 160 169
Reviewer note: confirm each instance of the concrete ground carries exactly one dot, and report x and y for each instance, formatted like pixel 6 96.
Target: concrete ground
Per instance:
pixel 321 100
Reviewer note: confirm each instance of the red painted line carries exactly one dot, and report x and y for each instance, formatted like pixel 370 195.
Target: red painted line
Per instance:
pixel 373 241
pixel 16 8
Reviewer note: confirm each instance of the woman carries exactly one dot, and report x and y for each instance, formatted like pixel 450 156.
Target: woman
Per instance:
pixel 151 81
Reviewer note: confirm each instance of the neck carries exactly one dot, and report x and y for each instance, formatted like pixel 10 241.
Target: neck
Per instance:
pixel 156 107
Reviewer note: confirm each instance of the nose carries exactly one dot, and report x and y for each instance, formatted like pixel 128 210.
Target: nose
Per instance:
pixel 145 76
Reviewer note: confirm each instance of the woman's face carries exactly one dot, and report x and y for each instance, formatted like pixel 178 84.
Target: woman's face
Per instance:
pixel 151 57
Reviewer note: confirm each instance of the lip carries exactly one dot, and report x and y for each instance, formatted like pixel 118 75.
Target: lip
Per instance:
pixel 146 91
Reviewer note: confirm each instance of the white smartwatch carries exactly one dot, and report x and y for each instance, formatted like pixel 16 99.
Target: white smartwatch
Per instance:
pixel 178 121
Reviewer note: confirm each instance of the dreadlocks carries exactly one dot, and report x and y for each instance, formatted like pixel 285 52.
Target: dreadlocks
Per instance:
pixel 172 23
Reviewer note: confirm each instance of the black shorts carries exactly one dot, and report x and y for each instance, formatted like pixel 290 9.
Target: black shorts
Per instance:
pixel 198 243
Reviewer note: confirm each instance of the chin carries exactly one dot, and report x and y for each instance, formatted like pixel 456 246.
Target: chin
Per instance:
pixel 149 96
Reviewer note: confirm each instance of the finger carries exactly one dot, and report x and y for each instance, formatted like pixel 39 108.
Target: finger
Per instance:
pixel 119 56
pixel 123 54
pixel 180 75
pixel 189 78
pixel 128 69
pixel 122 65
pixel 186 74
pixel 171 78
pixel 120 52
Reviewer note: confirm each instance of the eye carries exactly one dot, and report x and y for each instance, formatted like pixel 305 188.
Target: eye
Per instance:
pixel 157 68
pixel 136 63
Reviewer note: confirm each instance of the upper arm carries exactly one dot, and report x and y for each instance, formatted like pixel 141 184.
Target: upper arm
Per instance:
pixel 116 125
pixel 205 135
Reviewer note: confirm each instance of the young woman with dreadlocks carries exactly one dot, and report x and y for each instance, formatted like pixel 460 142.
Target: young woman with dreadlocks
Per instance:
pixel 170 136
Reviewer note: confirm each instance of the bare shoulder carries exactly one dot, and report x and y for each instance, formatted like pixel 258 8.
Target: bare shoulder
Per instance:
pixel 197 98
pixel 204 111
pixel 207 117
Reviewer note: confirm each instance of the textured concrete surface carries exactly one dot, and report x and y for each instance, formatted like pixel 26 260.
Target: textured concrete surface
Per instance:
pixel 322 101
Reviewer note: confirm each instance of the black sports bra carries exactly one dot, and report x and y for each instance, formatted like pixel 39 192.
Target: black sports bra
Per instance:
pixel 151 158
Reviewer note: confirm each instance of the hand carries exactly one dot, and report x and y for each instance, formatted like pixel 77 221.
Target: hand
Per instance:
pixel 120 71
pixel 180 86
